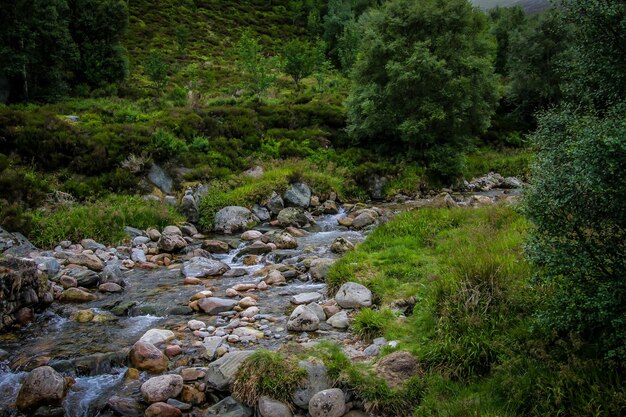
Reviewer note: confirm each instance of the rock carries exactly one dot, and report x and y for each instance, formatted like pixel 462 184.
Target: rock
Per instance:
pixel 271 408
pixel 235 272
pixel 353 295
pixel 172 230
pixel 318 310
pixel 76 295
pixel 157 336
pixel 192 374
pixel 328 403
pixel 87 260
pixel 306 298
pixel 48 265
pixel 362 220
pixel 196 324
pixel 320 267
pixel 133 232
pixel 189 207
pixel 161 388
pixel 251 235
pixel 511 182
pixel 215 246
pixel 303 319
pixel 153 234
pixel 85 277
pixel 294 216
pixel 329 207
pixel 275 204
pixel 199 267
pixel 345 221
pixel 250 312
pixel 256 248
pixel 92 245
pixel 211 344
pixel 283 240
pixel 339 320
pixel 147 357
pixel 247 302
pixel 214 305
pixel 110 287
pixel 68 282
pixel 228 407
pixel 137 255
pixel 316 381
pixel 234 219
pixel 140 240
pixel 221 373
pixel 443 200
pixel 396 368
pixel 254 172
pixel 126 407
pixel 261 212
pixel 173 350
pixel 112 273
pixel 42 386
pixel 160 179
pixel 298 195
pixel 341 245
pixel 248 332
pixel 162 410
pixel 171 242
pixel 15 244
pixel 189 229
pixel 274 277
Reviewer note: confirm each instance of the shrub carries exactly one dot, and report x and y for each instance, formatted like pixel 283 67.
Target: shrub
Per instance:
pixel 267 373
pixel 370 324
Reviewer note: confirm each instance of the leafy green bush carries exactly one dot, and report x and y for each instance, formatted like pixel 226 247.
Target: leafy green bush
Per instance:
pixel 103 220
pixel 267 373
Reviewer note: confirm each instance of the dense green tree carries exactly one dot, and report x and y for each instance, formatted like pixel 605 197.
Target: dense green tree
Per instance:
pixel 301 59
pixel 97 28
pixel 537 53
pixel 505 21
pixel 156 69
pixel 252 62
pixel 36 49
pixel 596 75
pixel 577 202
pixel 424 81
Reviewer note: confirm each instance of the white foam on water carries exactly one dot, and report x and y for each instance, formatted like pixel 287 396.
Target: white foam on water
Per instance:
pixel 10 384
pixel 137 324
pixel 82 399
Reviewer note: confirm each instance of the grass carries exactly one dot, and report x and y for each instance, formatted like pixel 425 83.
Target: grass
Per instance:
pixel 267 373
pixel 508 163
pixel 103 220
pixel 369 324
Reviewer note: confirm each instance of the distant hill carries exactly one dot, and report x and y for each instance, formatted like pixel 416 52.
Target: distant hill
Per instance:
pixel 530 6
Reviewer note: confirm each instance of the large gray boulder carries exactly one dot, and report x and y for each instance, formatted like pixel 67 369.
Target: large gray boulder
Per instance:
pixel 320 267
pixel 328 403
pixel 215 305
pixel 353 295
pixel 261 212
pixel 298 195
pixel 228 407
pixel 272 408
pixel 43 386
pixel 171 242
pixel 303 319
pixel 294 216
pixel 161 388
pixel 234 219
pixel 189 207
pixel 220 374
pixel 200 267
pixel 275 204
pixel 15 244
pixel 316 381
pixel 160 179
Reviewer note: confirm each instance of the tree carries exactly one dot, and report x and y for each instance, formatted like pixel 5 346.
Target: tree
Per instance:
pixel 301 59
pixel 258 68
pixel 505 21
pixel 424 82
pixel 156 69
pixel 577 203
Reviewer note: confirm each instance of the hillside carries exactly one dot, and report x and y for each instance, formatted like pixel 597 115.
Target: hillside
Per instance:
pixel 529 6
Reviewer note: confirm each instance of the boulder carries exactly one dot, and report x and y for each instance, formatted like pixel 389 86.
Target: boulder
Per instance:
pixel 283 240
pixel 153 234
pixel 341 245
pixel 189 207
pixel 329 207
pixel 396 368
pixel 294 216
pixel 214 305
pixel 261 212
pixel 318 310
pixel 328 403
pixel 76 295
pixel 211 344
pixel 234 219
pixel 298 195
pixel 15 244
pixel 141 240
pixel 353 295
pixel 228 407
pixel 303 319
pixel 316 381
pixel 171 242
pixel 162 410
pixel 275 204
pixel 112 273
pixel 272 408
pixel 221 373
pixel 88 260
pixel 161 388
pixel 160 179
pixel 189 229
pixel 147 357
pixel 200 267
pixel 138 255
pixel 172 230
pixel 215 246
pixel 85 277
pixel 256 248
pixel 306 298
pixel 339 320
pixel 362 220
pixel 251 235
pixel 157 336
pixel 42 386
pixel 126 407
pixel 110 287
pixel 92 245
pixel 320 267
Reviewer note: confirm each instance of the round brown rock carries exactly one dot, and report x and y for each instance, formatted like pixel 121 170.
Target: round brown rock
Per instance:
pixel 161 388
pixel 43 386
pixel 147 357
pixel 161 409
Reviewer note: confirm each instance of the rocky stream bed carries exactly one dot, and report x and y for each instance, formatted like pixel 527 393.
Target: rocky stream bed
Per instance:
pixel 160 326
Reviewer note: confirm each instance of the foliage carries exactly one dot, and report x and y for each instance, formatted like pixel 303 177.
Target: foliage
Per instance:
pixel 103 220
pixel 413 93
pixel 507 162
pixel 267 373
pixel 370 324
pixel 301 59
pixel 258 68
pixel 156 69
pixel 576 201
pixel 505 22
